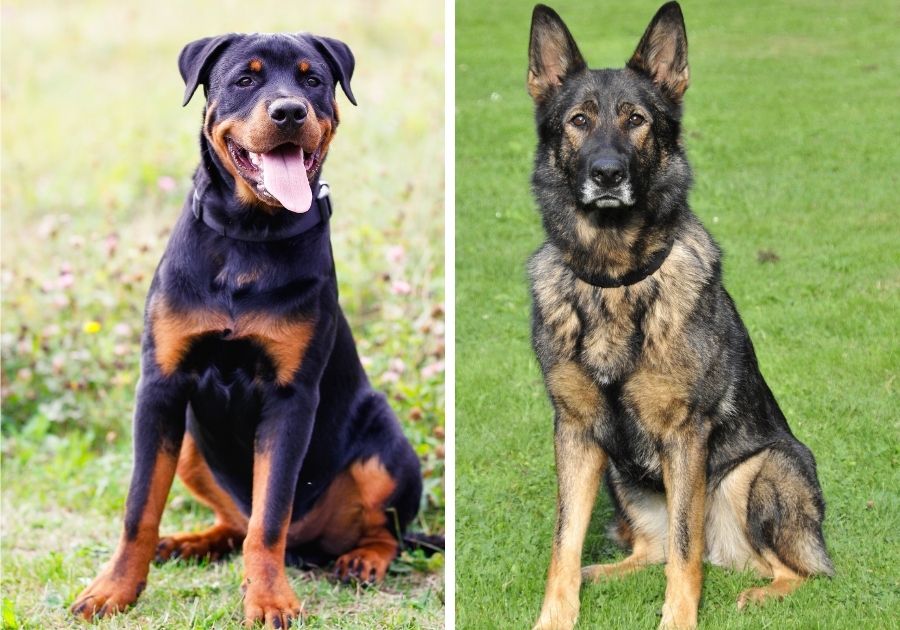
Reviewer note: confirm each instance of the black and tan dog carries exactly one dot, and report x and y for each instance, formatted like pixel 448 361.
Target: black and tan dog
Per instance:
pixel 251 388
pixel 650 370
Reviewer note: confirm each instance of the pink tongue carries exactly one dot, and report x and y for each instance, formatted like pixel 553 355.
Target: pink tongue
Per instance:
pixel 285 178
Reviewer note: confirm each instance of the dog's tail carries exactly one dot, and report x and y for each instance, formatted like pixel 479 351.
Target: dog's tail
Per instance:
pixel 430 544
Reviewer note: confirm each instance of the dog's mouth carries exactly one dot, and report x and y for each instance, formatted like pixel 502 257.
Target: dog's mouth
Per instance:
pixel 609 201
pixel 278 176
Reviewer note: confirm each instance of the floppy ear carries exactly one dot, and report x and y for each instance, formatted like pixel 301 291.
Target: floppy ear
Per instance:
pixel 552 53
pixel 339 59
pixel 197 58
pixel 662 52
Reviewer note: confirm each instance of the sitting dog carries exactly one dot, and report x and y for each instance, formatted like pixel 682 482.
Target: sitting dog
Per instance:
pixel 251 389
pixel 651 373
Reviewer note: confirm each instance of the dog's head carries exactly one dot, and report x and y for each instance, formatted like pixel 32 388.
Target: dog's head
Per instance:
pixel 608 139
pixel 271 111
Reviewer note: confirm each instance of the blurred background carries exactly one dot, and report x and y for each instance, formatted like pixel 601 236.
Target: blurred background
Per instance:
pixel 97 157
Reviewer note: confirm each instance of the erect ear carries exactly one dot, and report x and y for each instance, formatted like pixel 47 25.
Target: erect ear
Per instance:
pixel 552 53
pixel 197 58
pixel 662 52
pixel 340 59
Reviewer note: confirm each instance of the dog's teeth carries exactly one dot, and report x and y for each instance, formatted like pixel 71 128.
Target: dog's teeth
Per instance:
pixel 254 157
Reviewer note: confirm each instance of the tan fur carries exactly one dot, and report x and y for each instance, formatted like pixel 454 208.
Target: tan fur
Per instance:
pixel 575 391
pixel 174 331
pixel 267 592
pixel 255 65
pixel 230 526
pixel 122 580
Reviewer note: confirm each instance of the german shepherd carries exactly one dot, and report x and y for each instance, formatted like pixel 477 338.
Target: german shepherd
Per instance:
pixel 651 373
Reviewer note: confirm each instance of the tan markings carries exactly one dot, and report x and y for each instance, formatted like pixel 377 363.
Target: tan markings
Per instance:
pixel 727 544
pixel 350 520
pixel 376 547
pixel 304 65
pixel 174 331
pixel 684 477
pixel 255 65
pixel 259 134
pixel 575 391
pixel 230 526
pixel 335 521
pixel 284 341
pixel 579 466
pixel 123 578
pixel 267 593
pixel 786 581
pixel 661 399
pixel 643 554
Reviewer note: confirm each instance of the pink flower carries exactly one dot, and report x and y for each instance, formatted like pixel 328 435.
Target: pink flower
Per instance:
pixel 166 183
pixel 122 330
pixel 397 365
pixel 432 369
pixel 396 253
pixel 65 281
pixel 390 377
pixel 401 287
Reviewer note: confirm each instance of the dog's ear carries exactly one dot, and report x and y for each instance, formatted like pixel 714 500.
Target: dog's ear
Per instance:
pixel 552 53
pixel 197 58
pixel 662 52
pixel 340 59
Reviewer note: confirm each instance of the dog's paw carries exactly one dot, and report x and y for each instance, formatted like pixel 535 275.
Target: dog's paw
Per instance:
pixel 276 606
pixel 214 543
pixel 366 565
pixel 106 595
pixel 556 618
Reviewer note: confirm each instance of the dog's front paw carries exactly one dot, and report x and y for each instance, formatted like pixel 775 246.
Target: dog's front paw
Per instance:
pixel 107 595
pixel 554 617
pixel 679 616
pixel 276 605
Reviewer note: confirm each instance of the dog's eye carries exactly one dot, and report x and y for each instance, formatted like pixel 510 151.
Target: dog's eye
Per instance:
pixel 313 82
pixel 636 120
pixel 245 81
pixel 579 120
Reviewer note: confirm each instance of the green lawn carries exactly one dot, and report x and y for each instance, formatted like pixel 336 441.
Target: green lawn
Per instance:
pixel 96 161
pixel 791 125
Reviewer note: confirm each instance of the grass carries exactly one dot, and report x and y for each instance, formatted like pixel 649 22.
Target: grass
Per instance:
pixel 788 122
pixel 96 161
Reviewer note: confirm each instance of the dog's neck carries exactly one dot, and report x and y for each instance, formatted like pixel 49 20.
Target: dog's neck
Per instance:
pixel 610 255
pixel 214 202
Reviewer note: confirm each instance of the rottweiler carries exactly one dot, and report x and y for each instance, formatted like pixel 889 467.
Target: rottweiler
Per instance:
pixel 251 388
pixel 649 368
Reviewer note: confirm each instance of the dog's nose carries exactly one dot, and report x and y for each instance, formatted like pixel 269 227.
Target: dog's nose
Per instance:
pixel 608 171
pixel 287 112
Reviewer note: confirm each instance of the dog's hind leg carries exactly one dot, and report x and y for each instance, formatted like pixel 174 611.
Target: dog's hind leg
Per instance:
pixel 230 527
pixel 785 582
pixel 641 524
pixel 784 521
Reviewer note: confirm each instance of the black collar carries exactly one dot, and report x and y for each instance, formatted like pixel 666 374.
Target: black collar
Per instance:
pixel 632 277
pixel 211 209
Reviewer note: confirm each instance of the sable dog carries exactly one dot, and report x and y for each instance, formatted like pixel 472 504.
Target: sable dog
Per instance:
pixel 651 373
pixel 251 387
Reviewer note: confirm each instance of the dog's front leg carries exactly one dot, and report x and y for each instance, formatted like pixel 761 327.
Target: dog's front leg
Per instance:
pixel 579 466
pixel 684 477
pixel 282 439
pixel 159 420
